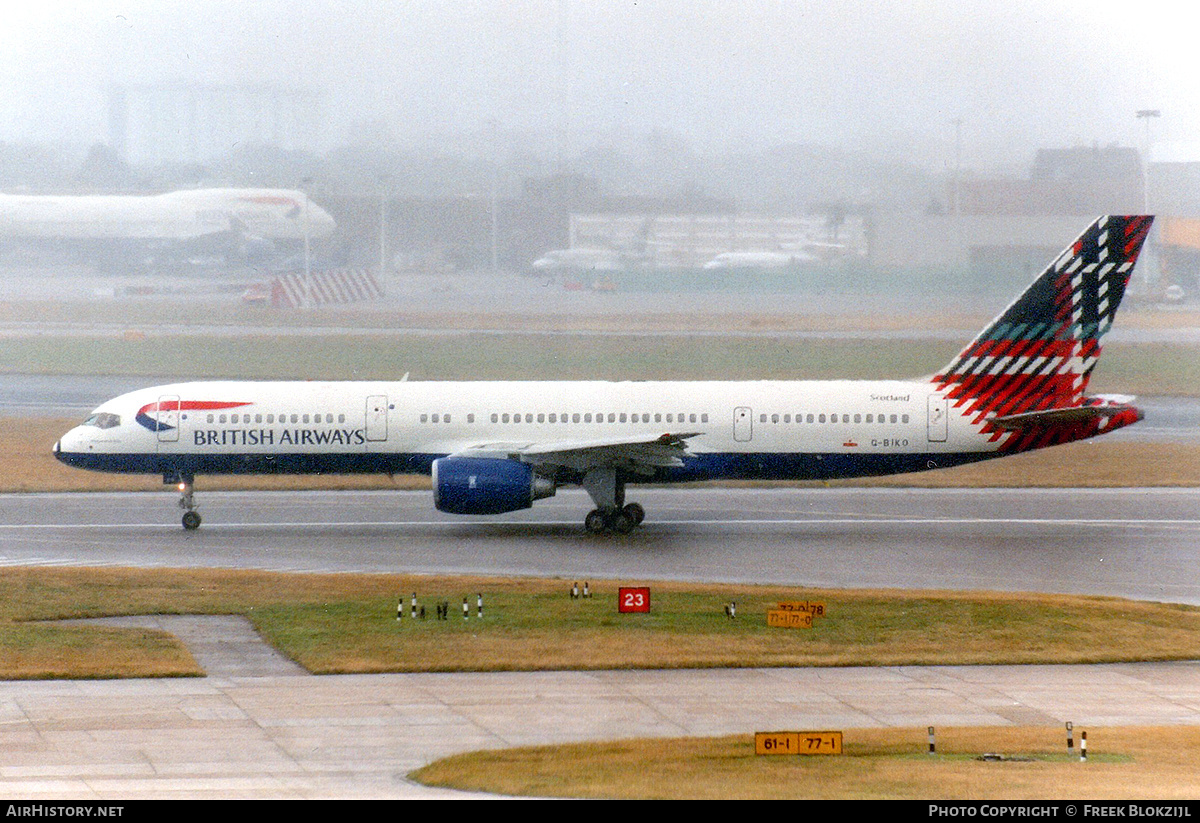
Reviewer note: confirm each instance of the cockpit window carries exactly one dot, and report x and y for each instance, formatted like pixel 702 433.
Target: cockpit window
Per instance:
pixel 103 420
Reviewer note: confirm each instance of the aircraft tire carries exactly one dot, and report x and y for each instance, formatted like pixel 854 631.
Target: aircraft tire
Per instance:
pixel 595 522
pixel 622 522
pixel 635 513
pixel 191 521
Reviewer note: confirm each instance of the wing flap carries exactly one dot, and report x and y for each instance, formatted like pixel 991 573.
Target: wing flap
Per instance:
pixel 638 453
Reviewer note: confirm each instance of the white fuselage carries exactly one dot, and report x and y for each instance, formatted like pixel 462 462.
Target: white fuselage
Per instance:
pixel 273 214
pixel 772 429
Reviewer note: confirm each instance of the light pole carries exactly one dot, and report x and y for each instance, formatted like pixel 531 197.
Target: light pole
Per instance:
pixel 1146 115
pixel 307 182
pixel 383 180
pixel 1149 267
pixel 957 121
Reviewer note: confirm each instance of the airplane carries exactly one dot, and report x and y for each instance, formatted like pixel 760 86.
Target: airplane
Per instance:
pixel 758 260
pixel 579 260
pixel 496 447
pixel 119 229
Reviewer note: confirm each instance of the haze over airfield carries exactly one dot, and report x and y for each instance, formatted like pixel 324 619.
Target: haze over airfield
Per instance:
pixel 723 76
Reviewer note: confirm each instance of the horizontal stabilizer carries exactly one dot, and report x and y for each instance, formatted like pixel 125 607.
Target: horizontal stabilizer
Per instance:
pixel 1070 415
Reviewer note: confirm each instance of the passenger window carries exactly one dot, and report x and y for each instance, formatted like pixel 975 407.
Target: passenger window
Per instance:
pixel 658 417
pixel 221 419
pixel 904 419
pixel 471 417
pixel 495 418
pixel 424 418
pixel 505 417
pixel 210 418
pixel 858 418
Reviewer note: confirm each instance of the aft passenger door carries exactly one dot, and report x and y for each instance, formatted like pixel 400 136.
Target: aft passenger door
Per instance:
pixel 938 419
pixel 743 424
pixel 377 417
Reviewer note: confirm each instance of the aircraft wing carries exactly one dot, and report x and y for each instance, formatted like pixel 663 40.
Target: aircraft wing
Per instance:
pixel 640 454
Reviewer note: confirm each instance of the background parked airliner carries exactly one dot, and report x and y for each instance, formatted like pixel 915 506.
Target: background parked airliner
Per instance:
pixel 494 447
pixel 129 229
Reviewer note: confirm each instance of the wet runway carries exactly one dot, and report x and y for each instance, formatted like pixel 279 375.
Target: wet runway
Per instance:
pixel 1138 543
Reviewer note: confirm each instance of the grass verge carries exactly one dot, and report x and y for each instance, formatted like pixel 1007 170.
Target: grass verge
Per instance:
pixel 1123 763
pixel 347 623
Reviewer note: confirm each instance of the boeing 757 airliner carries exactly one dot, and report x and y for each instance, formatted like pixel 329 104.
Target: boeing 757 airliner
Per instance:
pixel 495 447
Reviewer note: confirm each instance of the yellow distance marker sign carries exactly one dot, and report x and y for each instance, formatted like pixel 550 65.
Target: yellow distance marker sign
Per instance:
pixel 780 619
pixel 815 607
pixel 797 743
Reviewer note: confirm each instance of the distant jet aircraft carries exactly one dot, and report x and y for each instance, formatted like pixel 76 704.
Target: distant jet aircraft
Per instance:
pixel 495 447
pixel 758 260
pixel 579 261
pixel 131 230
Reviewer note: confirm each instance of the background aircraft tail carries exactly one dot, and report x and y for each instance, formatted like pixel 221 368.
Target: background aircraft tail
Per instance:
pixel 1028 371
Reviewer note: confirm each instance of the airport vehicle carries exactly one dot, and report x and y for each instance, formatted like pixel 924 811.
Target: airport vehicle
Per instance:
pixel 496 447
pixel 131 230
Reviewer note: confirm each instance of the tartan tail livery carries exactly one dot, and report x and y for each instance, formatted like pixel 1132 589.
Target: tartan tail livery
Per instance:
pixel 1023 381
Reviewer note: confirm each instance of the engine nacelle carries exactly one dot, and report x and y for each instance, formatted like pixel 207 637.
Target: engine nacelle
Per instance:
pixel 485 485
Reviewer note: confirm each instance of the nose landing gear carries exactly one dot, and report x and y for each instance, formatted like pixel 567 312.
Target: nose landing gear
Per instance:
pixel 187 502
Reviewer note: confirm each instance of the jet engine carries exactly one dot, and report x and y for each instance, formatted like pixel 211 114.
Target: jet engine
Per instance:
pixel 486 485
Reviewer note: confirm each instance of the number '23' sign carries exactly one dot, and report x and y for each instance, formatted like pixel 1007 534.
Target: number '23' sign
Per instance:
pixel 631 599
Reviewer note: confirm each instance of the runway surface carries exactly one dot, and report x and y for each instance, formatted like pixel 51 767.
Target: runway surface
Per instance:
pixel 1139 543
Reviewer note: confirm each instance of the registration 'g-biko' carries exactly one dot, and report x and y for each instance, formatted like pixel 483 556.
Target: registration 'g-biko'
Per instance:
pixel 495 447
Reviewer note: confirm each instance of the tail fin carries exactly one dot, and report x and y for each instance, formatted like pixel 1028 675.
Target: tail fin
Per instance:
pixel 1038 354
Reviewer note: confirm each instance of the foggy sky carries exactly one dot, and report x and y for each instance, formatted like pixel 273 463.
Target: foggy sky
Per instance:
pixel 724 75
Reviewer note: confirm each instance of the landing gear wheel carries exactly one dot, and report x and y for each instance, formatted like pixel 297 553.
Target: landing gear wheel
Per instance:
pixel 595 522
pixel 191 521
pixel 621 522
pixel 636 513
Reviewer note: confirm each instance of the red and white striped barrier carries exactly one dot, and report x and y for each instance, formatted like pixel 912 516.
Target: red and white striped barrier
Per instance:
pixel 294 290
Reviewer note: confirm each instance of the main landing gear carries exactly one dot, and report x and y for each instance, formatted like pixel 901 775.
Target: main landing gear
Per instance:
pixel 612 513
pixel 187 501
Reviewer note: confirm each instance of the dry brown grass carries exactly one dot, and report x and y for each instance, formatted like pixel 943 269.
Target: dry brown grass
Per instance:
pixel 344 623
pixel 1123 763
